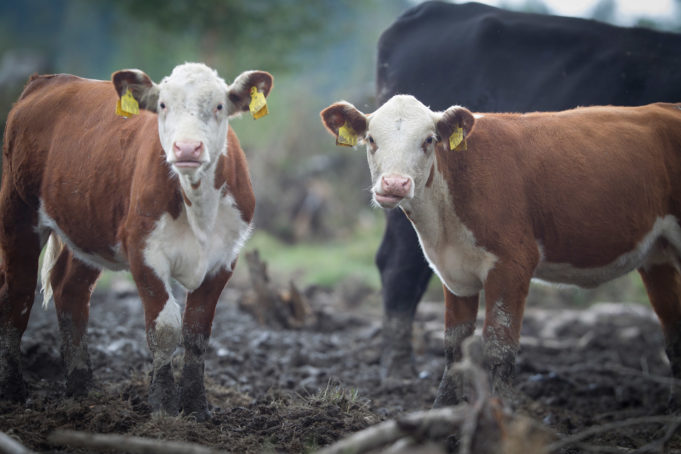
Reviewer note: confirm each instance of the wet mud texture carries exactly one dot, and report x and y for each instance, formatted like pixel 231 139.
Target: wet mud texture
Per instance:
pixel 290 391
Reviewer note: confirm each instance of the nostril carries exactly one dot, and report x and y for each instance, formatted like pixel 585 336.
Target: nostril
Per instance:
pixel 198 148
pixel 188 149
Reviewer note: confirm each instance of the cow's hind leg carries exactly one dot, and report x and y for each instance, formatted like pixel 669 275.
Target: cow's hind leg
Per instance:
pixel 20 245
pixel 196 329
pixel 72 283
pixel 663 284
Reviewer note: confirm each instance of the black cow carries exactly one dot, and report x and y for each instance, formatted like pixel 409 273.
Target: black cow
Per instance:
pixel 491 60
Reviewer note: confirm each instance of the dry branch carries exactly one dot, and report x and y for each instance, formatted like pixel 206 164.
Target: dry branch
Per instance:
pixel 429 423
pixel 272 307
pixel 479 424
pixel 9 445
pixel 135 445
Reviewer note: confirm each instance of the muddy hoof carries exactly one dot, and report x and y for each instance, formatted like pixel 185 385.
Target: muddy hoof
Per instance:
pixel 78 382
pixel 193 401
pixel 198 412
pixel 397 358
pixel 163 397
pixel 449 393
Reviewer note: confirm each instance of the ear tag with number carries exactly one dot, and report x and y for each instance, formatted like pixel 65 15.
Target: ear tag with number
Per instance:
pixel 258 105
pixel 457 142
pixel 127 105
pixel 347 137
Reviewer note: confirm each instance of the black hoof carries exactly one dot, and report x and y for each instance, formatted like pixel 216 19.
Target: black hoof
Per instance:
pixel 163 397
pixel 78 382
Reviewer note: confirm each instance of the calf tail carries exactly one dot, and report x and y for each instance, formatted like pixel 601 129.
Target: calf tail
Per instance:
pixel 52 251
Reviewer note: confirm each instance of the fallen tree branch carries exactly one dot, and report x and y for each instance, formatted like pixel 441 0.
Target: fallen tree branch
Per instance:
pixel 479 423
pixel 270 306
pixel 435 422
pixel 9 445
pixel 118 443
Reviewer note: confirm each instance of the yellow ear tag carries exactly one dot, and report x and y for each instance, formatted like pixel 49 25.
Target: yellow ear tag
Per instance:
pixel 258 105
pixel 457 141
pixel 347 137
pixel 127 106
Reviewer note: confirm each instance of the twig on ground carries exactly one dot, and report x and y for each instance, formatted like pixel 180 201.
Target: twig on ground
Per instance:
pixel 436 422
pixel 135 445
pixel 440 422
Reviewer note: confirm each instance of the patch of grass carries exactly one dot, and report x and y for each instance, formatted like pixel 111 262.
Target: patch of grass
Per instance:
pixel 336 394
pixel 325 263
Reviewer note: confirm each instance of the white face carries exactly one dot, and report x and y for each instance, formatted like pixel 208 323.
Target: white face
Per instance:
pixel 400 140
pixel 193 118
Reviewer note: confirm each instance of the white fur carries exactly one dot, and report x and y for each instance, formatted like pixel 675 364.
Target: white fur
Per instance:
pixel 187 251
pixel 52 251
pixel 191 96
pixel 399 129
pixel 449 246
pixel 170 316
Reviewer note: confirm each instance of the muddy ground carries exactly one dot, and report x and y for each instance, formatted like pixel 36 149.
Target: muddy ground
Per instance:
pixel 290 391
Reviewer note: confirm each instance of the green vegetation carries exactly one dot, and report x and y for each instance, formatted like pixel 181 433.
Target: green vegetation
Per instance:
pixel 324 263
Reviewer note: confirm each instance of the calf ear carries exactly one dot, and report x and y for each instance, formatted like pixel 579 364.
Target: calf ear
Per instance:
pixel 143 89
pixel 449 121
pixel 239 93
pixel 340 113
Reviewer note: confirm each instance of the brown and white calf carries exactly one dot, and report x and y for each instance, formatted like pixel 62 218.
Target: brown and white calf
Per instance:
pixel 577 197
pixel 165 194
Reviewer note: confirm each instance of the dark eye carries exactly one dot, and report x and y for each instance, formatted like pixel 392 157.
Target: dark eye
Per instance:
pixel 371 140
pixel 429 140
pixel 162 105
pixel 219 107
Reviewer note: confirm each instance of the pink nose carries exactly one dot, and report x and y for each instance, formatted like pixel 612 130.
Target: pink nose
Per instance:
pixel 188 150
pixel 396 185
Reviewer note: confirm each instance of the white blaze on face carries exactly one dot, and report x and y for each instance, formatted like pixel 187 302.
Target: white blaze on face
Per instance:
pixel 400 139
pixel 193 117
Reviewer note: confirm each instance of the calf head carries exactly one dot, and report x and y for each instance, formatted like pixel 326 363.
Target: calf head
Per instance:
pixel 401 138
pixel 193 106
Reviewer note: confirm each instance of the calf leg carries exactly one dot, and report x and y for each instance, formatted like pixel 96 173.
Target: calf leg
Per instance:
pixel 460 315
pixel 20 246
pixel 162 322
pixel 72 283
pixel 663 284
pixel 506 289
pixel 196 329
pixel 404 277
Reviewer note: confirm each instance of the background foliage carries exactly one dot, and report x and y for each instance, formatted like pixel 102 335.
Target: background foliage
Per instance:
pixel 312 197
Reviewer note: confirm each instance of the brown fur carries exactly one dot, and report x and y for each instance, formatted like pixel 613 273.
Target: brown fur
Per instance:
pixel 586 184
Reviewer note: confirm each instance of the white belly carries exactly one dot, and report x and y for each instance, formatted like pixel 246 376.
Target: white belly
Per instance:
pixel 648 251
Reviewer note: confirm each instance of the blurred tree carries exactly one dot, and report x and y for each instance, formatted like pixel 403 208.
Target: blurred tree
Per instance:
pixel 276 31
